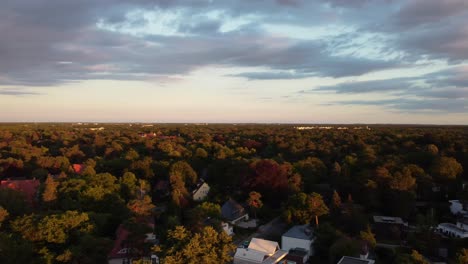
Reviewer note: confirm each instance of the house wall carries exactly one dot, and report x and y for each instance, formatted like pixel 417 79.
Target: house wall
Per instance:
pixel 202 192
pixel 288 243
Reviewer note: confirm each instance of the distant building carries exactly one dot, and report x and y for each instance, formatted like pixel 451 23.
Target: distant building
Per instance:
pixel 298 241
pixel 201 190
pixel 234 212
pixel 122 252
pixel 27 187
pixel 260 251
pixel 458 230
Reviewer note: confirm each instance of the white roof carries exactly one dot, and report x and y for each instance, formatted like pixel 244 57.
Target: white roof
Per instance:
pixel 250 254
pixel 266 246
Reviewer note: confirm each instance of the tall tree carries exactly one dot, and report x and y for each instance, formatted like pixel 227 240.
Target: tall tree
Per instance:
pixel 50 190
pixel 254 201
pixel 318 207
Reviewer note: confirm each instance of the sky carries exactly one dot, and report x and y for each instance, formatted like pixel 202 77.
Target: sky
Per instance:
pixel 240 61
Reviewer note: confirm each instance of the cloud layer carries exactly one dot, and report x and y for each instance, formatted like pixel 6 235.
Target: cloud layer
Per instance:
pixel 52 42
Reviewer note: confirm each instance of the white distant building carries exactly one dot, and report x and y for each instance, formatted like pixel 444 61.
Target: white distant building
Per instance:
pixel 260 251
pixel 459 230
pixel 201 191
pixel 299 239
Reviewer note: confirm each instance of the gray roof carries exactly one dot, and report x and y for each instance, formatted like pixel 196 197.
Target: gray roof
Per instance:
pixel 231 210
pixel 350 260
pixel 300 232
pixel 388 220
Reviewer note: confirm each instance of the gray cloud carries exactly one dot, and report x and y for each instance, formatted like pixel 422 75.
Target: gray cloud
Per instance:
pixel 421 12
pixel 39 36
pixel 388 85
pixel 17 92
pixel 414 105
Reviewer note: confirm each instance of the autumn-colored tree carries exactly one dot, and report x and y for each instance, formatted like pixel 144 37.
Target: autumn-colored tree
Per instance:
pixel 269 176
pixel 417 258
pixel 462 256
pixel 318 207
pixel 402 181
pixel 254 201
pixel 368 237
pixel 446 168
pixel 141 207
pixel 50 190
pixel 336 200
pixel 184 171
pixel 3 215
pixel 208 246
pixel 54 228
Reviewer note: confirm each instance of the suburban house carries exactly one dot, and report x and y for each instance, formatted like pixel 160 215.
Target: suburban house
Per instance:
pixel 201 190
pixel 234 212
pixel 27 187
pixel 298 241
pixel 351 260
pixel 388 227
pixel 260 251
pixel 227 228
pixel 123 252
pixel 459 230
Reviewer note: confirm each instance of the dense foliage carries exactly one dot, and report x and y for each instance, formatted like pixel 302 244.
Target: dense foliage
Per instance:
pixel 334 179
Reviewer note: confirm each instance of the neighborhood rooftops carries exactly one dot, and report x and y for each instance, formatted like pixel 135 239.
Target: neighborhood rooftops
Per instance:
pixel 260 251
pixel 27 187
pixel 300 232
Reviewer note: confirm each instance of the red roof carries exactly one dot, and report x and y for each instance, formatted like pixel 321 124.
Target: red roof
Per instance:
pixel 78 168
pixel 27 187
pixel 117 251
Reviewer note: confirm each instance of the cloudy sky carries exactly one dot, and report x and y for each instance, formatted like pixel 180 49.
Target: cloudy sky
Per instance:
pixel 304 61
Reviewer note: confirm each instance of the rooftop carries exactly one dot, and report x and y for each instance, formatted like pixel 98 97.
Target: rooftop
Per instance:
pixel 27 187
pixel 351 260
pixel 388 220
pixel 452 227
pixel 300 232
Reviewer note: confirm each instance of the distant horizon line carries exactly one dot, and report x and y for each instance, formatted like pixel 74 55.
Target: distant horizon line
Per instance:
pixel 223 123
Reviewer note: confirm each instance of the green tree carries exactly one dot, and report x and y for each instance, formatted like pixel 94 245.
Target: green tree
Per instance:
pixel 208 246
pixel 302 208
